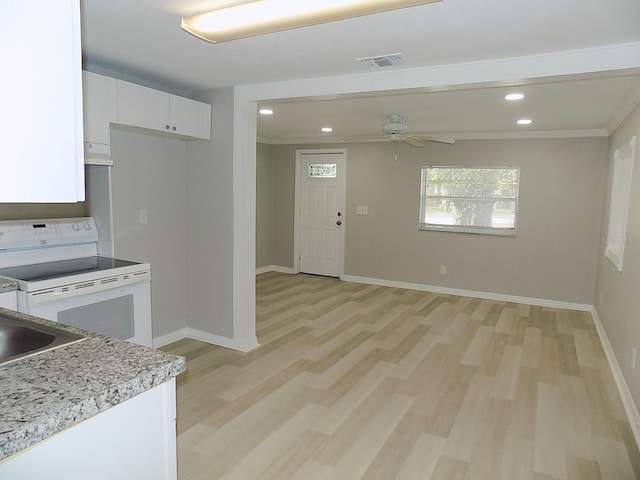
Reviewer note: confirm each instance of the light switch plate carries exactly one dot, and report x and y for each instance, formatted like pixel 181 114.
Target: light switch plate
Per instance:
pixel 362 210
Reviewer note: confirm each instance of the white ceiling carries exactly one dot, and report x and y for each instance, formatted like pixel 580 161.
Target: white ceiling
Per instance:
pixel 142 40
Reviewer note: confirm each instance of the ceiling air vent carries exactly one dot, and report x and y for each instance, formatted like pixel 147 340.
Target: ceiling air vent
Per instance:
pixel 383 60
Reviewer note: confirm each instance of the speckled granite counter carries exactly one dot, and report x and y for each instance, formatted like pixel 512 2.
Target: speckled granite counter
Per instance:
pixel 44 394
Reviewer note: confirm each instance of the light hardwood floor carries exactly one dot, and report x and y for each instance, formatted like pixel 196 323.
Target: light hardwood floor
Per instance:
pixel 356 381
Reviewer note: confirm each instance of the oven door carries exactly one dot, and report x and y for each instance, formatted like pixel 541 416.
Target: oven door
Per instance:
pixel 122 312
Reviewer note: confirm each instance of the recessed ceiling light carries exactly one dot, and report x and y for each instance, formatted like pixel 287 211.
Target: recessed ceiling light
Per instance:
pixel 327 129
pixel 514 96
pixel 266 111
pixel 524 121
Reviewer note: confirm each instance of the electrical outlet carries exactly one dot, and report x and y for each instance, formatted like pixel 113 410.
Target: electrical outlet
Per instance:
pixel 143 216
pixel 443 269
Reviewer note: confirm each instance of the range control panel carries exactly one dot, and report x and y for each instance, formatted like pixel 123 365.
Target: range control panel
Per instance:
pixel 22 234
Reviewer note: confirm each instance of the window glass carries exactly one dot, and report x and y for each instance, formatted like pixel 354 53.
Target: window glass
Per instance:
pixel 619 207
pixel 322 170
pixel 469 199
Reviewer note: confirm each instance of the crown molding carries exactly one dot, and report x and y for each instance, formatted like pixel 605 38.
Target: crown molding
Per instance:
pixel 601 132
pixel 618 117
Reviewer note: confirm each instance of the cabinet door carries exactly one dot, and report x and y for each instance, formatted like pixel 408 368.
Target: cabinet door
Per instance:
pixel 132 440
pixel 99 112
pixel 142 107
pixel 41 148
pixel 190 118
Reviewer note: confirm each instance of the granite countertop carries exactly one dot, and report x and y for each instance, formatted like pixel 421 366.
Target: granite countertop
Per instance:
pixel 46 393
pixel 7 285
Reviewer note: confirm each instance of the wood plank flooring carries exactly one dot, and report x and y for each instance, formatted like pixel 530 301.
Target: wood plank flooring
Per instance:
pixel 356 381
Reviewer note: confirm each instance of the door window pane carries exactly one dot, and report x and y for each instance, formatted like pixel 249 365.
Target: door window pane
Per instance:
pixel 323 170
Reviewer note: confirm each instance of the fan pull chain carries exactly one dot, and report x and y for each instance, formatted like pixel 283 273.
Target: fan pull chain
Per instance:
pixel 396 151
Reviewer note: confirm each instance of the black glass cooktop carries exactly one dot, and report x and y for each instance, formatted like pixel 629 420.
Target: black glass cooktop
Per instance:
pixel 63 268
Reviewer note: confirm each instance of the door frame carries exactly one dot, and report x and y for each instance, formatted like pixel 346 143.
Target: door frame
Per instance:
pixel 297 222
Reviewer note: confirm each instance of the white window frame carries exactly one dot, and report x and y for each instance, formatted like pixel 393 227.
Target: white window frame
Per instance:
pixel 619 206
pixel 462 228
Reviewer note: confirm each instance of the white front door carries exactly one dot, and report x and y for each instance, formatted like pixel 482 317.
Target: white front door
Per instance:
pixel 321 201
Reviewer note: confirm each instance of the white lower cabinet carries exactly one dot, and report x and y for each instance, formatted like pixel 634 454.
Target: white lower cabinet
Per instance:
pixel 9 300
pixel 133 440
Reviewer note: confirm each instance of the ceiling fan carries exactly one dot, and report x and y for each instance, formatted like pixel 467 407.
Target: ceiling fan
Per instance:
pixel 397 131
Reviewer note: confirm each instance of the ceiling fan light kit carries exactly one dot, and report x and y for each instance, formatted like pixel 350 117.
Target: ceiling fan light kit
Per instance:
pixel 395 130
pixel 247 19
pixel 395 125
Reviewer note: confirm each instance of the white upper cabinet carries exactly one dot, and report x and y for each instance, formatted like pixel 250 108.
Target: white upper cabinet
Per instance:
pixel 99 113
pixel 41 146
pixel 144 107
pixel 189 117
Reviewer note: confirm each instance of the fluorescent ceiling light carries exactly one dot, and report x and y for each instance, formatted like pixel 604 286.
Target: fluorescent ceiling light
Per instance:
pixel 266 111
pixel 258 17
pixel 327 129
pixel 524 121
pixel 514 96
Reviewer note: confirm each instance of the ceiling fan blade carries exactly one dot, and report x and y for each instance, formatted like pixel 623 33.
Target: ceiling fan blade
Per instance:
pixel 365 138
pixel 411 141
pixel 429 138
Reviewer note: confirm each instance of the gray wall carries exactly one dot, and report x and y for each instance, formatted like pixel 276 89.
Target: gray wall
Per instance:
pixel 553 256
pixel 285 181
pixel 149 173
pixel 209 213
pixel 275 182
pixel 265 190
pixel 619 309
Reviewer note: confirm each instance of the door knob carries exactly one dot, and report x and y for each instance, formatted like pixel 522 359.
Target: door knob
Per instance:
pixel 338 223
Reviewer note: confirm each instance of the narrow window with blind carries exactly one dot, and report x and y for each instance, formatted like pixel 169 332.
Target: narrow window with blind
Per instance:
pixel 620 199
pixel 469 199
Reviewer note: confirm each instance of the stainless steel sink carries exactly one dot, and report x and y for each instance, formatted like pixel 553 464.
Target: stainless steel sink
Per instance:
pixel 20 339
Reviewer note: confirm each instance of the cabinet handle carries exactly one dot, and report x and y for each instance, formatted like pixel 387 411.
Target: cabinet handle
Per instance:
pixel 167 127
pixel 174 129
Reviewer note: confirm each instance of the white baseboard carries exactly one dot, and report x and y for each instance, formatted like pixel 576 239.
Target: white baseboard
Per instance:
pixel 225 342
pixel 274 268
pixel 540 302
pixel 627 400
pixel 175 336
pixel 210 338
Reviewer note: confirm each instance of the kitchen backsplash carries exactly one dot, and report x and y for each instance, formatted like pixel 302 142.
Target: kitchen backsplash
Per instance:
pixel 19 211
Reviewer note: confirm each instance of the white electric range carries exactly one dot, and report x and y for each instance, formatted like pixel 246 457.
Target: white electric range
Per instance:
pixel 61 277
